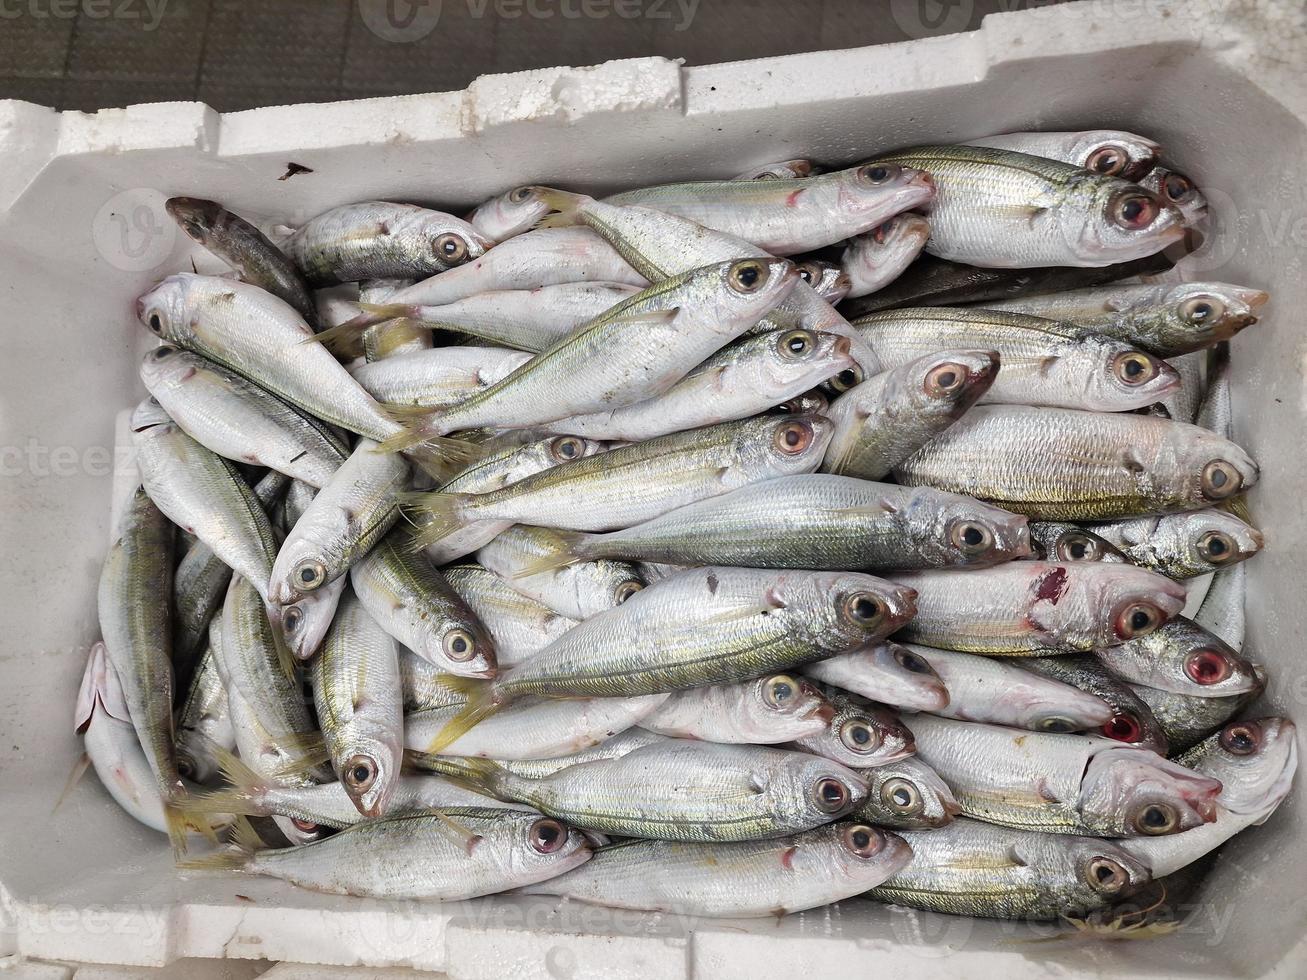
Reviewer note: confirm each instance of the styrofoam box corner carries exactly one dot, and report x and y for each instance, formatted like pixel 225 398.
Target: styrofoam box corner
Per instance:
pixel 1219 82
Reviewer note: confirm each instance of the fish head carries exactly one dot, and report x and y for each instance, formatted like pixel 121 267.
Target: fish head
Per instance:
pixel 197 217
pixel 827 279
pixel 1102 869
pixel 371 772
pixel 1056 708
pixel 901 675
pixel 1255 761
pixel 1201 468
pixel 948 382
pixel 782 708
pixel 1056 541
pixel 1212 539
pixel 464 649
pixel 1112 153
pixel 1134 601
pixel 879 190
pixel 1105 219
pixel 1205 665
pixel 509 214
pixel 166 309
pixel 450 241
pixel 784 445
pixel 1135 792
pixel 849 851
pixel 861 608
pixel 1179 191
pixel 863 735
pixel 1212 311
pixel 890 245
pixel 960 531
pixel 909 795
pixel 745 290
pixel 806 790
pixel 304 618
pixel 788 359
pixel 1124 377
pixel 531 847
pixel 167 366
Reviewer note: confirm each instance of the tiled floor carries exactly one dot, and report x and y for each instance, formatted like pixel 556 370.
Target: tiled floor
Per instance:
pixel 236 54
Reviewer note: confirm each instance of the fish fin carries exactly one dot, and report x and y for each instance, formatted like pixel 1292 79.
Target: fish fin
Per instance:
pixel 390 336
pixel 246 785
pixel 483 700
pixel 1020 212
pixel 566 205
pixel 244 841
pixel 285 659
pixel 344 339
pixel 74 777
pixel 469 838
pixel 436 515
pixel 1238 506
pixel 478 775
pixel 308 752
pixel 568 552
pixel 175 823
pixel 443 459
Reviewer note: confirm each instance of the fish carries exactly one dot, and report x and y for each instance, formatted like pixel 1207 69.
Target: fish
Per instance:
pixel 860 734
pixel 519 626
pixel 1064 541
pixel 424 684
pixel 1111 152
pixel 704 626
pixel 1043 362
pixel 882 421
pixel 380 341
pixel 238 420
pixel 203 723
pixel 1063 784
pixel 1063 464
pixel 637 350
pixel 751 375
pixel 763 711
pixel 783 170
pixel 887 672
pixel 450 855
pixel 408 598
pixel 1030 605
pixel 744 879
pixel 1164 319
pixel 533 728
pixel 635 483
pixel 496 469
pixel 1131 719
pixel 1222 609
pixel 1255 761
pixel 1183 405
pixel 1186 719
pixel 1216 412
pixel 825 278
pixel 246 249
pixel 817 521
pixel 507 215
pixel 906 794
pixel 613 748
pixel 576 591
pixel 679 789
pixel 357 694
pixel 1004 209
pixel 1178 191
pixel 1183 658
pixel 298 497
pixel 792 216
pixel 437 378
pixel 348 516
pixel 878 257
pixel 973 868
pixel 381 240
pixel 999 692
pixel 263 339
pixel 1184 546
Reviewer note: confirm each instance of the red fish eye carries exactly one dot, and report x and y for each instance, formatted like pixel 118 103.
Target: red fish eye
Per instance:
pixel 1206 667
pixel 1123 728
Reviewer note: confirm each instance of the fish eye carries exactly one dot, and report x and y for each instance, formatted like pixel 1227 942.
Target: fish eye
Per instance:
pixel 627 589
pixel 1076 546
pixel 944 379
pixel 857 736
pixel 451 248
pixel 1206 667
pixel 1202 309
pixel 912 662
pixel 1105 875
pixel 809 272
pixel 1108 160
pixel 1217 547
pixel 1138 619
pixel 360 773
pixel 830 795
pixel 901 796
pixel 1178 188
pixel 864 609
pixel 547 836
pixel 309 575
pixel 796 344
pixel 519 194
pixel 185 766
pixel 155 323
pixel 567 448
pixel 305 826
pixel 779 691
pixel 793 437
pixel 1241 738
pixel 1157 818
pixel 1220 480
pixel 971 538
pixel 1133 210
pixel 459 645
pixel 846 379
pixel 161 352
pixel 1134 368
pixel 862 840
pixel 1123 727
pixel 877 173
pixel 747 276
pixel 1054 725
pixel 292 619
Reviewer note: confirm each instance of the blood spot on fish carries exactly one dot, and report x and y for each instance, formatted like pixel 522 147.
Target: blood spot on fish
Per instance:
pixel 712 583
pixel 1051 585
pixel 383 228
pixel 190 373
pixel 787 857
pixel 792 199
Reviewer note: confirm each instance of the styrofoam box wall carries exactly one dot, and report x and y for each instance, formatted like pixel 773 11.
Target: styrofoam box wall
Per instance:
pixel 82 233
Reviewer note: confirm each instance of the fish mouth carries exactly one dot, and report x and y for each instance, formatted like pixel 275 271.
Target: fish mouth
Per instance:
pixel 1254 298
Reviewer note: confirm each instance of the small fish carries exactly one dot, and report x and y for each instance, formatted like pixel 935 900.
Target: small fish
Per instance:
pixel 1062 464
pixel 1183 658
pixel 1178 191
pixel 1111 152
pixel 1131 719
pixel 785 170
pixel 1186 719
pixel 827 279
pixel 519 625
pixel 508 215
pixel 860 734
pixel 765 711
pixel 887 672
pixel 907 794
pixel 1183 546
pixel 1030 605
pixel 381 240
pixel 999 692
pixel 736 880
pixel 437 378
pixel 884 420
pixel 1063 541
pixel 878 257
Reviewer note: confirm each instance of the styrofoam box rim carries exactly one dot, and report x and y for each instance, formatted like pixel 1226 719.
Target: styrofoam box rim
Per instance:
pixel 615 124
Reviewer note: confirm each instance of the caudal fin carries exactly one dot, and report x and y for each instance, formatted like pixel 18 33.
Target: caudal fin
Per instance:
pixel 435 516
pixel 483 700
pixel 347 338
pixel 478 775
pixel 566 205
pixel 244 796
pixel 569 549
pixel 235 857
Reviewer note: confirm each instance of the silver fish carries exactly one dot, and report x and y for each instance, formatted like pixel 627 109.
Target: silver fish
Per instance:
pixel 613 748
pixel 764 711
pixel 1183 546
pixel 1131 719
pixel 827 279
pixel 519 625
pixel 1111 152
pixel 1222 610
pixel 439 378
pixel 1030 605
pixel 203 723
pixel 1178 191
pixel 1060 464
pixel 1184 658
pixel 508 215
pixel 1186 719
pixel 907 794
pixel 877 257
pixel 887 672
pixel 860 734
pixel 736 880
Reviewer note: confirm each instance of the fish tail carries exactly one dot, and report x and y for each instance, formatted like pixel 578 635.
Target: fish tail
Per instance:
pixel 308 754
pixel 478 775
pixel 484 698
pixel 441 458
pixel 435 515
pixel 176 824
pixel 74 777
pixel 242 796
pixel 569 550
pixel 244 841
pixel 566 205
pixel 388 337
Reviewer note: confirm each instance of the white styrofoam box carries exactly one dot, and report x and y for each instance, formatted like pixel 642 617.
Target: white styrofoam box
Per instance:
pixel 82 233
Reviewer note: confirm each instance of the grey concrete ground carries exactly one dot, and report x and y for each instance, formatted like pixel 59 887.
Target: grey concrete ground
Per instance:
pixel 238 54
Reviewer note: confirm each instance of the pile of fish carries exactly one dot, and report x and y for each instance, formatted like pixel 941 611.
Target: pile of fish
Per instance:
pixel 726 548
